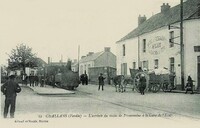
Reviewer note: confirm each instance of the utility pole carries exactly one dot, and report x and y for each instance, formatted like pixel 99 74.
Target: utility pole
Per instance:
pixel 78 58
pixel 182 45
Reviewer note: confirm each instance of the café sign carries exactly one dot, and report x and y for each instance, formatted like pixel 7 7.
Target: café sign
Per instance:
pixel 157 45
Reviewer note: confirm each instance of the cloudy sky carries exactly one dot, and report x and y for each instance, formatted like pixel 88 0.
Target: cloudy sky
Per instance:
pixel 56 27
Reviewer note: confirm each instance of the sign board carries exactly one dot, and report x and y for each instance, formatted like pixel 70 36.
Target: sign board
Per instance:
pixel 157 45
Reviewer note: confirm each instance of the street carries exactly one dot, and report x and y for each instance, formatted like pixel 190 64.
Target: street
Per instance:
pixel 88 100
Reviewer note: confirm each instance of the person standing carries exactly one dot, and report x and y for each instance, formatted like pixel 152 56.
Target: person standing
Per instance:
pixel 142 84
pixel 10 90
pixel 101 81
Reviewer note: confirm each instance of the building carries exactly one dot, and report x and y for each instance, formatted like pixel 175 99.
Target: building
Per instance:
pixel 60 63
pixel 100 62
pixel 34 67
pixel 74 66
pixel 156 42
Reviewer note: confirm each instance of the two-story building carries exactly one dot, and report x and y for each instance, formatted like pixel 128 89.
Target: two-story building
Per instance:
pixel 156 42
pixel 95 63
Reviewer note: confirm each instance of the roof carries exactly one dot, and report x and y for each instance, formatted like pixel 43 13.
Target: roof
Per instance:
pixel 91 57
pixel 164 19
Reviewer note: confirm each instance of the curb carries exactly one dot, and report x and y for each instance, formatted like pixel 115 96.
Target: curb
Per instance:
pixel 44 93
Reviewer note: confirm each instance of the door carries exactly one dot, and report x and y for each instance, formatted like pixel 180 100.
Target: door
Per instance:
pixel 198 72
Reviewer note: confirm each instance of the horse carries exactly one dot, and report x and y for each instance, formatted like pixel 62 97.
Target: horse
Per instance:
pixel 119 83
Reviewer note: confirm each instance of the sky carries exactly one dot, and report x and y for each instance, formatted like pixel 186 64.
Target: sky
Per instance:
pixel 55 28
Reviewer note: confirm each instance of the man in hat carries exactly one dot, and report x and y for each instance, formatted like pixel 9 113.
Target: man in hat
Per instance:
pixel 101 81
pixel 10 90
pixel 142 84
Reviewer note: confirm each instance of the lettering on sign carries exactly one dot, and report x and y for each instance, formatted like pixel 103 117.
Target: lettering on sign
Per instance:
pixel 157 45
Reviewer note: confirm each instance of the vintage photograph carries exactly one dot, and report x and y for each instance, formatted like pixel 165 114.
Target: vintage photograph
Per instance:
pixel 94 63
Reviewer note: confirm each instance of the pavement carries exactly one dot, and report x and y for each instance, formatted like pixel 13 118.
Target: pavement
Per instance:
pixel 49 90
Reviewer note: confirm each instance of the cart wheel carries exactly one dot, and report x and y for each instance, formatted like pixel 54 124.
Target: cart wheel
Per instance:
pixel 165 87
pixel 155 88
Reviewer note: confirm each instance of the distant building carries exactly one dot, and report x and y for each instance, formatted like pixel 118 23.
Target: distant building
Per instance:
pixel 33 66
pixel 100 62
pixel 74 66
pixel 60 63
pixel 156 42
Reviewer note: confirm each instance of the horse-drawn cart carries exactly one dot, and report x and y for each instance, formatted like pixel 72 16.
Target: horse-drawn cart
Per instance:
pixel 154 81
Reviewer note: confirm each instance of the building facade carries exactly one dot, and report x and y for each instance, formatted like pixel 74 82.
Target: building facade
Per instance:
pixel 155 43
pixel 95 63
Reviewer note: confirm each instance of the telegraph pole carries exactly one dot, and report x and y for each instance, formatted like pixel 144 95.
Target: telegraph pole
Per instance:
pixel 182 45
pixel 78 57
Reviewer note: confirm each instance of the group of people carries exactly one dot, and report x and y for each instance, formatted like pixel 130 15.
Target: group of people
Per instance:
pixel 33 80
pixel 11 88
pixel 84 79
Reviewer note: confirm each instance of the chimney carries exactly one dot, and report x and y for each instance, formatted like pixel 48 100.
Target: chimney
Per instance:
pixel 107 49
pixel 141 19
pixel 165 8
pixel 82 57
pixel 75 61
pixel 90 53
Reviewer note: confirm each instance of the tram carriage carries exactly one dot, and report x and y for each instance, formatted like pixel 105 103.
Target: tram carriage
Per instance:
pixel 67 80
pixel 155 82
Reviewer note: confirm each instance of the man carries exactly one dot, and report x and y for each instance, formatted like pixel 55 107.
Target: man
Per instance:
pixel 101 81
pixel 142 84
pixel 9 89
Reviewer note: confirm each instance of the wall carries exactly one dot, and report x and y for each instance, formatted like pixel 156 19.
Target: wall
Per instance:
pixel 106 59
pixel 158 47
pixel 191 39
pixel 85 67
pixel 131 55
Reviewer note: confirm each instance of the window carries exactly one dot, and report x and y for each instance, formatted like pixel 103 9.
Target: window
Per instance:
pixel 144 45
pixel 156 63
pixel 172 61
pixel 124 69
pixel 145 64
pixel 171 39
pixel 196 48
pixel 124 50
pixel 134 65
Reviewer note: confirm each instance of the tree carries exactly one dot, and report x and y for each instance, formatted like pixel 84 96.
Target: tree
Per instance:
pixel 19 56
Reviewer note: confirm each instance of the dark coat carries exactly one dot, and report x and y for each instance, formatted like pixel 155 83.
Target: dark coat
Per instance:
pixel 101 80
pixel 10 89
pixel 143 82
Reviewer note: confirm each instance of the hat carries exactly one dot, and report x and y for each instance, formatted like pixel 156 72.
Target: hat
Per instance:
pixel 142 75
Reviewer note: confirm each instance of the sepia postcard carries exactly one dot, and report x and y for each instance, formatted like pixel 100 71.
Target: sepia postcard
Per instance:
pixel 100 63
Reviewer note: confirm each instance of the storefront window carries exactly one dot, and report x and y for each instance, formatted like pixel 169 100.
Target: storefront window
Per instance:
pixel 145 64
pixel 156 63
pixel 172 61
pixel 134 65
pixel 171 39
pixel 144 45
pixel 124 69
pixel 124 50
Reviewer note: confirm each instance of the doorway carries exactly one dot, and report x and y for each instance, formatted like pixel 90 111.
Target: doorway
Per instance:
pixel 198 72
